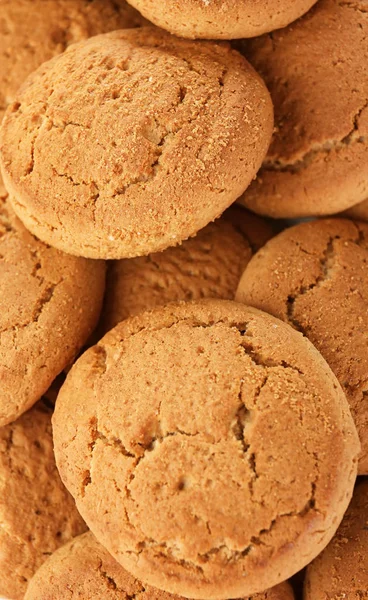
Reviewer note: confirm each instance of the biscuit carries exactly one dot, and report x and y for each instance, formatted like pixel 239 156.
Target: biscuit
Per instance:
pixel 221 19
pixel 206 266
pixel 341 571
pixel 37 513
pixel 181 412
pixel 87 570
pixel 147 137
pixel 33 31
pixel 50 303
pixel 314 276
pixel 317 72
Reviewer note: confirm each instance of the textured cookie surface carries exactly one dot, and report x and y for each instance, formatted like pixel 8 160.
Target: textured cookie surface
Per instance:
pixel 33 31
pixel 315 277
pixel 49 305
pixel 181 412
pixel 221 19
pixel 207 266
pixel 37 513
pixel 317 72
pixel 341 571
pixel 146 136
pixel 87 570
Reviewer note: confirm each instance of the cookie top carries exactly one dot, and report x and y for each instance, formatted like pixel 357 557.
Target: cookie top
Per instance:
pixel 87 570
pixel 37 513
pixel 315 277
pixel 182 412
pixel 49 305
pixel 317 72
pixel 33 31
pixel 221 19
pixel 206 266
pixel 147 136
pixel 341 571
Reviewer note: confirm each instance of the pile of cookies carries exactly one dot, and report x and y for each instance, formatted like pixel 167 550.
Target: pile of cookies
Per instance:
pixel 184 371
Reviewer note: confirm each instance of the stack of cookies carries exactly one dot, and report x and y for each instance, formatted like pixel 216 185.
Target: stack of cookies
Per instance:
pixel 184 371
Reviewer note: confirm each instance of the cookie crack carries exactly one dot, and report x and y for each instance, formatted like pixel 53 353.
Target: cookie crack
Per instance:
pixel 44 300
pixel 353 137
pixel 235 555
pixel 327 262
pixel 355 6
pixel 111 583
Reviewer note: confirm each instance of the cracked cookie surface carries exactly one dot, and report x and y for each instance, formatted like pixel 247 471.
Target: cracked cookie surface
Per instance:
pixel 341 571
pixel 37 513
pixel 49 305
pixel 206 266
pixel 317 73
pixel 33 31
pixel 221 19
pixel 314 276
pixel 171 435
pixel 147 137
pixel 87 570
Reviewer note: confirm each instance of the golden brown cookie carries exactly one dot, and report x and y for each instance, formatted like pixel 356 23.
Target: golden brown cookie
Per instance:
pixel 147 137
pixel 206 266
pixel 317 72
pixel 221 19
pixel 314 276
pixel 37 513
pixel 49 305
pixel 33 31
pixel 170 434
pixel 341 571
pixel 88 571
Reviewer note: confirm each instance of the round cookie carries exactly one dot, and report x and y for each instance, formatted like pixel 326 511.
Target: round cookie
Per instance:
pixel 317 72
pixel 50 303
pixel 147 137
pixel 341 571
pixel 206 266
pixel 87 570
pixel 37 513
pixel 33 31
pixel 221 19
pixel 314 277
pixel 181 412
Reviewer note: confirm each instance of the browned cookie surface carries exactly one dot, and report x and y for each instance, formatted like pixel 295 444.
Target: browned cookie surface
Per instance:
pixel 221 19
pixel 88 571
pixel 208 265
pixel 33 31
pixel 132 141
pixel 315 277
pixel 341 571
pixel 317 72
pixel 37 513
pixel 49 305
pixel 209 448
